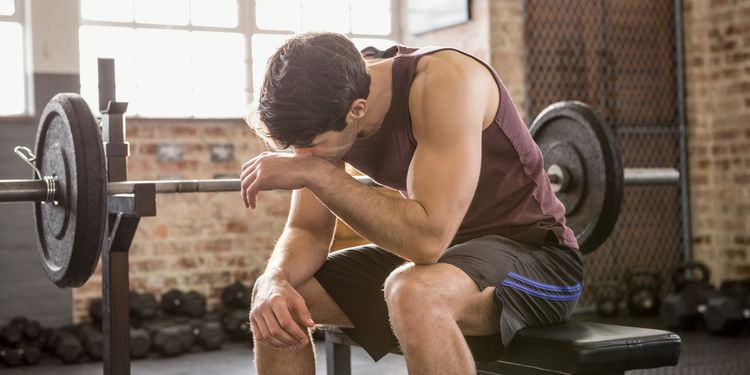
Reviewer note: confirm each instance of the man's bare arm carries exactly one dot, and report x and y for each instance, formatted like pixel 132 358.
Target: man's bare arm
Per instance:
pixel 278 309
pixel 303 245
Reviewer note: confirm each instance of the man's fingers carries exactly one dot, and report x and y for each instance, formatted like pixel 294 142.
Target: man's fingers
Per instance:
pixel 261 333
pixel 252 190
pixel 246 183
pixel 278 335
pixel 289 325
pixel 248 167
pixel 257 332
pixel 247 170
pixel 302 313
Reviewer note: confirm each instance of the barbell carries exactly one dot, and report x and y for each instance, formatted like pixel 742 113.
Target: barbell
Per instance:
pixel 70 188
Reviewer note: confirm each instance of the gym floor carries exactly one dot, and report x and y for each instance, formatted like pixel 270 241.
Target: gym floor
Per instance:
pixel 702 353
pixel 233 359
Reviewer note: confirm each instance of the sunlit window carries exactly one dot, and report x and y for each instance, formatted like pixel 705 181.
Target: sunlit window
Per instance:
pixel 12 81
pixel 7 7
pixel 206 58
pixel 173 58
pixel 367 22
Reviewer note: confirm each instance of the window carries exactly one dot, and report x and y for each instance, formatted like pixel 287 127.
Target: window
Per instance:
pixel 204 58
pixel 173 58
pixel 12 80
pixel 367 22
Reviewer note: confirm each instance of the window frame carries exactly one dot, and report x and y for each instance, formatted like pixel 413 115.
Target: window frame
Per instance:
pixel 18 17
pixel 247 27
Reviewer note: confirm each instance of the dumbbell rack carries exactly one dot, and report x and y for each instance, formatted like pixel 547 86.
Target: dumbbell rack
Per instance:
pixel 124 214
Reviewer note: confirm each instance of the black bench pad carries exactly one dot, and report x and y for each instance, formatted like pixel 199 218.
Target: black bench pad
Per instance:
pixel 592 348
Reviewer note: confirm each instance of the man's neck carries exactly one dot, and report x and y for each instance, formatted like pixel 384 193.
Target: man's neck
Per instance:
pixel 379 100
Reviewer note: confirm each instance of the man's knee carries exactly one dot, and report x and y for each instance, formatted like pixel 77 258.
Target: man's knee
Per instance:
pixel 409 291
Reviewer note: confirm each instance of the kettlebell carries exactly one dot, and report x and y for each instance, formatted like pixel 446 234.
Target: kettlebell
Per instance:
pixel 643 293
pixel 608 297
pixel 684 275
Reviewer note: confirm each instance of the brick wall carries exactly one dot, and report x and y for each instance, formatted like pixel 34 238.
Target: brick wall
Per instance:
pixel 507 47
pixel 198 241
pixel 717 61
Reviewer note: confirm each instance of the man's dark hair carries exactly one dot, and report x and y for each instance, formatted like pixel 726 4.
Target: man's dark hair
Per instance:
pixel 310 84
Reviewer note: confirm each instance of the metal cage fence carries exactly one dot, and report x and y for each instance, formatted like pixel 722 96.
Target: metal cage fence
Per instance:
pixel 622 57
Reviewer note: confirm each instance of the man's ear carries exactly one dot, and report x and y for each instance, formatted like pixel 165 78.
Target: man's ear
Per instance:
pixel 357 110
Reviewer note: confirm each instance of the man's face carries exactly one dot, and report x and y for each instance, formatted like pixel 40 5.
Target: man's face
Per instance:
pixel 331 145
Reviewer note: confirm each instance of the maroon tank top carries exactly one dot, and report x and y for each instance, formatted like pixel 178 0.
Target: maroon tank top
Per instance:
pixel 513 197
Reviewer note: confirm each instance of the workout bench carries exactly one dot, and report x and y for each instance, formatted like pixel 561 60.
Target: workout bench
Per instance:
pixel 572 347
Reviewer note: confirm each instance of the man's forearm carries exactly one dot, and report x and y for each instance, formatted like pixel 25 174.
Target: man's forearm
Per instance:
pixel 297 256
pixel 401 226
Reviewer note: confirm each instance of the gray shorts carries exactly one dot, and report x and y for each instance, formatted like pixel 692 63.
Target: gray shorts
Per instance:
pixel 535 284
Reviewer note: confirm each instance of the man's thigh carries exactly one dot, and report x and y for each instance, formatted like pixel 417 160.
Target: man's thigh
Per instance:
pixel 477 312
pixel 354 278
pixel 322 307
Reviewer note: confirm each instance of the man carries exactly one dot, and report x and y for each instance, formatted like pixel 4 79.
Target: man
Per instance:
pixel 476 246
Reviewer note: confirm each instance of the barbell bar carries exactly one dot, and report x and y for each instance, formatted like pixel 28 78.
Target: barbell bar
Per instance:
pixel 37 190
pixel 558 176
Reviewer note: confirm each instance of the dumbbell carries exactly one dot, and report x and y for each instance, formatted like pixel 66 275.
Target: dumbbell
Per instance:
pixel 170 338
pixel 643 292
pixel 236 295
pixel 29 328
pixel 729 313
pixel 142 307
pixel 32 354
pixel 66 345
pixel 236 325
pixel 187 337
pixel 209 335
pixel 12 357
pixel 684 308
pixel 176 302
pixel 45 338
pixel 23 355
pixel 140 343
pixel 92 340
pixel 11 335
pixel 608 297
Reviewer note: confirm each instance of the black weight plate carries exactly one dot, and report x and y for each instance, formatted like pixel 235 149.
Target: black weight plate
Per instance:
pixel 570 135
pixel 70 234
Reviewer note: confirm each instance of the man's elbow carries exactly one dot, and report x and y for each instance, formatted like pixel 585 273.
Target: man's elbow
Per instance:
pixel 429 252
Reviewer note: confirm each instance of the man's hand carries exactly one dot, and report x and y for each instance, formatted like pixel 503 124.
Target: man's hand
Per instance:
pixel 277 312
pixel 275 170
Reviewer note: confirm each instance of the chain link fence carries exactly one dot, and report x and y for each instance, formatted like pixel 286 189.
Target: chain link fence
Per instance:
pixel 620 57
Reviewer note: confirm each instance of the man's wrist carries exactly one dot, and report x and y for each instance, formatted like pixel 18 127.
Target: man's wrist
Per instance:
pixel 275 274
pixel 318 174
